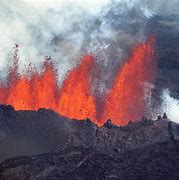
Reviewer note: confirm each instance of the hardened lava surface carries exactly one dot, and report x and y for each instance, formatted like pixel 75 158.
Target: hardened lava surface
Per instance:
pixel 62 148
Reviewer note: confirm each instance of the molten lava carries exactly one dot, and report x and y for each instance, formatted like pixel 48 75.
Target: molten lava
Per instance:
pixel 35 90
pixel 75 99
pixel 29 92
pixel 126 100
pixel 123 103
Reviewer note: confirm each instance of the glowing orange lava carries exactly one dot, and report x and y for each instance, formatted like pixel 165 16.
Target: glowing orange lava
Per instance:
pixel 35 90
pixel 75 99
pixel 126 100
pixel 32 91
pixel 123 103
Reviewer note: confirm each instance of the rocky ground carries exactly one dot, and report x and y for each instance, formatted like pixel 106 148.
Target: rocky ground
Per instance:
pixel 154 162
pixel 81 150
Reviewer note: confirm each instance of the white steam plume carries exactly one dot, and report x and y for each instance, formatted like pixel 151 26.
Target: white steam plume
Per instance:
pixel 68 29
pixel 170 106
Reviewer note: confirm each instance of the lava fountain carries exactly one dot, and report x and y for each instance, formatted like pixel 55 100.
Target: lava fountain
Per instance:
pixel 34 90
pixel 75 100
pixel 124 102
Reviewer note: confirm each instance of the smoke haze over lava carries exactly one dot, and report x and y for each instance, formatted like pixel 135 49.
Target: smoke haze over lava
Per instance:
pixel 67 30
pixel 111 36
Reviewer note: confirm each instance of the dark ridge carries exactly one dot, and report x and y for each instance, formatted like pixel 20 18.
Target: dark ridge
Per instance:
pixel 72 149
pixel 108 124
pixel 6 108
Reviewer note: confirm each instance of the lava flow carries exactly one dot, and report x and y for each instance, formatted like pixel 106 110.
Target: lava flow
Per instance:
pixel 126 101
pixel 123 103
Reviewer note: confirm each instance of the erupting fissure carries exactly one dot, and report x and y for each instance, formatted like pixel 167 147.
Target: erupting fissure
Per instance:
pixel 124 102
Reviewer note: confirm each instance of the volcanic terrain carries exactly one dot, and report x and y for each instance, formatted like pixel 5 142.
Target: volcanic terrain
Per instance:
pixel 72 149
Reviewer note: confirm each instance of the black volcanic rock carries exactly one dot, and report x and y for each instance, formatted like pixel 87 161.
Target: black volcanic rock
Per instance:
pixel 108 124
pixel 153 162
pixel 44 131
pixel 30 132
pixel 165 116
pixel 6 108
pixel 74 149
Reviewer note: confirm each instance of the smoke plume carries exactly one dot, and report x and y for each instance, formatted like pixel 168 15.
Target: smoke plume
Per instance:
pixel 69 29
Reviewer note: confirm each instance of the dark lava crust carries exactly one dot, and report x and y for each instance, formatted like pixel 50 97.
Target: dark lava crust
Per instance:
pixel 144 150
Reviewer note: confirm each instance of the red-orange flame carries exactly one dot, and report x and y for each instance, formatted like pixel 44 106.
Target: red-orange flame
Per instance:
pixel 44 87
pixel 75 99
pixel 126 100
pixel 31 92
